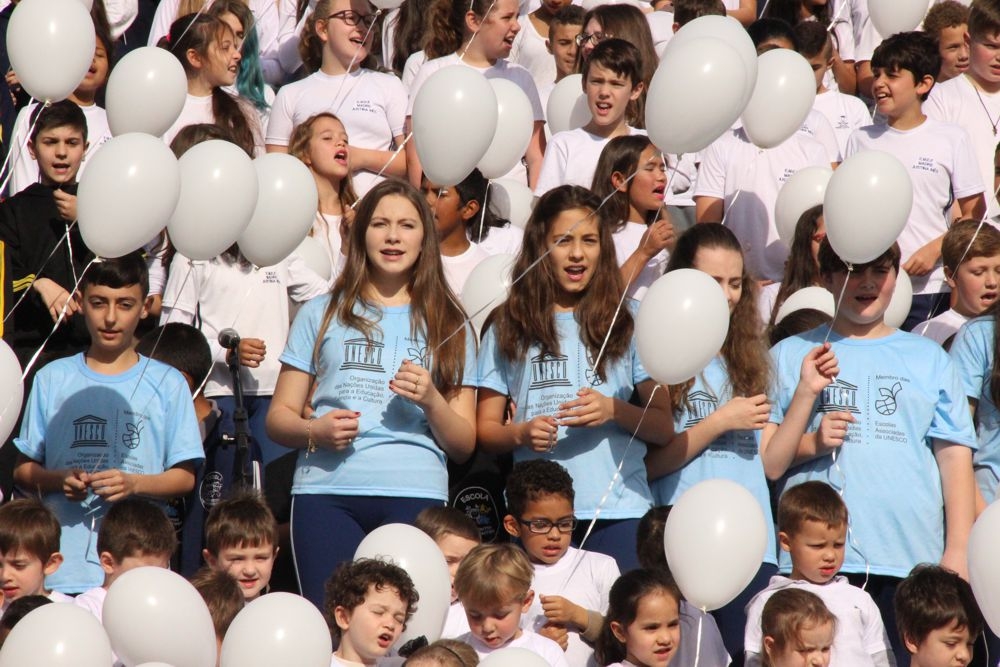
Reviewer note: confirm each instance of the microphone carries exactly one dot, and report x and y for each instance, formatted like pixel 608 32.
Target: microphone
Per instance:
pixel 229 339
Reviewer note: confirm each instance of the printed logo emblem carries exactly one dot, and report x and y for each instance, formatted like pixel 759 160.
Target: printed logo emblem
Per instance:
pixel 477 503
pixel 840 397
pixel 887 404
pixel 360 354
pixel 549 371
pixel 89 431
pixel 702 404
pixel 130 438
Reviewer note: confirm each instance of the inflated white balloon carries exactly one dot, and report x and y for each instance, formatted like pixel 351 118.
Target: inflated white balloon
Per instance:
pixel 277 629
pixel 413 550
pixel 311 252
pixel 698 313
pixel 814 298
pixel 867 204
pixel 153 614
pixel 386 5
pixel 782 98
pixel 728 30
pixel 218 197
pixel 51 45
pixel 127 194
pixel 146 92
pixel 892 16
pixel 454 120
pixel 57 635
pixel 513 656
pixel 512 200
pixel 805 189
pixel 567 106
pixel 486 288
pixel 715 538
pixel 984 567
pixel 286 207
pixel 515 125
pixel 695 95
pixel 11 390
pixel 901 301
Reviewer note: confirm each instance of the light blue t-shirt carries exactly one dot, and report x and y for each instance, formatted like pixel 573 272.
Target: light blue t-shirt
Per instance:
pixel 141 421
pixel 735 455
pixel 972 352
pixel 541 383
pixel 394 453
pixel 904 391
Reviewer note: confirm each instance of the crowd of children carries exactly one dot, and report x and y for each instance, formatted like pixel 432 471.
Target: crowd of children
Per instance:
pixel 370 399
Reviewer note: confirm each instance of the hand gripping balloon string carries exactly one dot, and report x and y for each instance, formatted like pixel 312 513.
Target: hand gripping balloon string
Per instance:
pixel 27 289
pixel 840 300
pixel 18 148
pixel 461 56
pixel 59 320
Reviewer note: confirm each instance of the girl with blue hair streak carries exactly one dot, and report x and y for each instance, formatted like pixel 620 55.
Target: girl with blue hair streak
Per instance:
pixel 250 83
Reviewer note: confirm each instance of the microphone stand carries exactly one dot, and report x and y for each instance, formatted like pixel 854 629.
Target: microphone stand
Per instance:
pixel 241 474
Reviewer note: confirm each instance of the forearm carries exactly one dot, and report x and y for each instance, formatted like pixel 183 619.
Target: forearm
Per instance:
pixel 786 444
pixel 288 427
pixel 746 13
pixel 414 169
pixel 176 481
pixel 957 487
pixel 634 265
pixel 453 433
pixel 389 163
pixel 972 207
pixel 684 447
pixel 651 424
pixel 496 438
pixel 34 477
pixel 534 155
pixel 846 77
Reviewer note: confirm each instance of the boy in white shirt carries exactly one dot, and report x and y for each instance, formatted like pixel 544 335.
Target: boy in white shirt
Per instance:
pixel 531 49
pixel 937 155
pixel 564 29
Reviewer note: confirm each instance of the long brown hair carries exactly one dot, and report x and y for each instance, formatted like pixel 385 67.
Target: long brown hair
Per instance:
pixel 435 313
pixel 527 317
pixel 801 269
pixel 744 352
pixel 200 33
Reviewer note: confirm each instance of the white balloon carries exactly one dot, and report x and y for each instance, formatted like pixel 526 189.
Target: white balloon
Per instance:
pixel 454 120
pixel 154 664
pixel 127 194
pixel 515 124
pixel 892 16
pixel 698 315
pixel 486 288
pixel 89 4
pixel 512 200
pixel 277 629
pixel 695 95
pixel 218 196
pixel 901 301
pixel 513 656
pixel 714 539
pixel 146 92
pixel 815 298
pixel 413 550
pixel 984 567
pixel 728 30
pixel 866 206
pixel 386 5
pixel 567 106
pixel 286 207
pixel 782 98
pixel 11 390
pixel 802 191
pixel 315 257
pixel 57 635
pixel 153 614
pixel 51 45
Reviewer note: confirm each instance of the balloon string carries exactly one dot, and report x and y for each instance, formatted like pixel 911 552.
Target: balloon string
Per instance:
pixel 840 299
pixel 337 102
pixel 18 148
pixel 851 535
pixel 482 217
pixel 739 190
pixel 27 289
pixel 59 320
pixel 697 646
pixel 201 10
pixel 461 56
pixel 836 16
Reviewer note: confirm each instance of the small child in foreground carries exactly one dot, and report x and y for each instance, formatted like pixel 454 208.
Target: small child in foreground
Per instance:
pixel 642 627
pixel 241 538
pixel 798 629
pixel 937 617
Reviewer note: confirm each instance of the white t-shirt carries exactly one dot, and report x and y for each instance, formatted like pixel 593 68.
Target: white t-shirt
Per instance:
pixel 25 168
pixel 550 651
pixel 372 106
pixel 942 169
pixel 326 230
pixel 571 159
pixel 627 240
pixel 748 179
pixel 582 577
pixel 530 52
pixel 846 113
pixel 93 601
pixel 458 267
pixel 661 26
pixel 500 240
pixel 198 109
pixel 939 329
pixel 818 127
pixel 411 67
pixel 456 623
pixel 958 101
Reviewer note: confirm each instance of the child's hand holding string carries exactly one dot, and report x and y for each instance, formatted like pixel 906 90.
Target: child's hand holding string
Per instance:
pixel 819 369
pixel 65 204
pixel 590 408
pixel 557 633
pixel 833 428
pixel 413 381
pixel 335 429
pixel 560 610
pixel 55 298
pixel 744 413
pixel 540 433
pixel 112 485
pixel 75 484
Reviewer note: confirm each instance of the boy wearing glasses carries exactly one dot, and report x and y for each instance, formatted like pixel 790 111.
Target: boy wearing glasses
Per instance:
pixel 571 585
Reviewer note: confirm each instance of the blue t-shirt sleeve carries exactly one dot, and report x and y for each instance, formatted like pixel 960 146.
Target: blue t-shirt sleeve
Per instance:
pixel 301 342
pixel 183 441
pixel 639 373
pixel 31 440
pixel 780 396
pixel 971 353
pixel 491 368
pixel 952 420
pixel 470 373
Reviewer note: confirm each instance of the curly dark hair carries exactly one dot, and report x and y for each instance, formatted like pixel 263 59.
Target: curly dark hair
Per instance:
pixel 530 480
pixel 349 584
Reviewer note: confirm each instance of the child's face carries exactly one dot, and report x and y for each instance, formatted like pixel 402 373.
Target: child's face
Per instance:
pixel 550 546
pixel 497 624
pixel 455 548
pixel 23 573
pixel 369 630
pixel 810 649
pixel 112 315
pixel 250 566
pixel 394 237
pixel 984 59
pixel 897 93
pixel 221 63
pixel 867 294
pixel 498 29
pixel 563 47
pixel 726 266
pixel 817 550
pixel 608 95
pixel 975 285
pixel 328 154
pixel 59 152
pixel 450 213
pixel 647 188
pixel 347 42
pixel 97 75
pixel 954 51
pixel 593 35
pixel 651 640
pixel 575 243
pixel 553 6
pixel 820 63
pixel 114 569
pixel 949 646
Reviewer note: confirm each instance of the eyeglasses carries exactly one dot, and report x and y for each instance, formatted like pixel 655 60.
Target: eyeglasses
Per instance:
pixel 544 526
pixel 596 38
pixel 352 18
